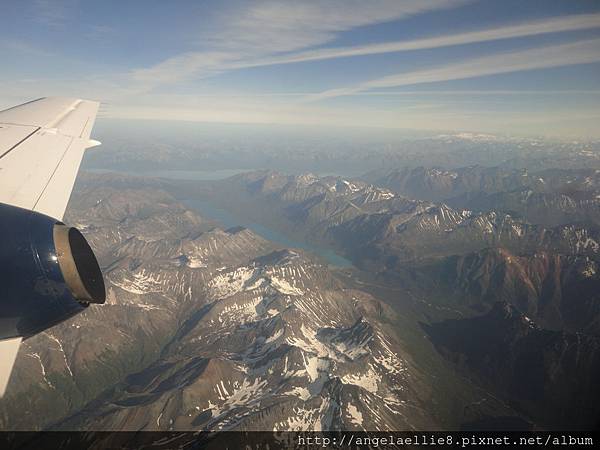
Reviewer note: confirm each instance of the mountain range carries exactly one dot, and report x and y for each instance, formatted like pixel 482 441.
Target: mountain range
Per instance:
pixel 215 329
pixel 451 318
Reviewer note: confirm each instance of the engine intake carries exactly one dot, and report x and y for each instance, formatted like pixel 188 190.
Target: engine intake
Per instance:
pixel 48 272
pixel 78 265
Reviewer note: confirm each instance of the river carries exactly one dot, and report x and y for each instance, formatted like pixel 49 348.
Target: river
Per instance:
pixel 226 218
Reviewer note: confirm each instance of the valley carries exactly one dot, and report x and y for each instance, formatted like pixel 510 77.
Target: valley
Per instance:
pixel 207 328
pixel 312 303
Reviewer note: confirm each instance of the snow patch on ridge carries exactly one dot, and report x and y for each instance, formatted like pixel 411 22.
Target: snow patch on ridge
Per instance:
pixel 230 283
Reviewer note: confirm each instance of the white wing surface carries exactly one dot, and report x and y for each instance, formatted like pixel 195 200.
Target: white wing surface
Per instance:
pixel 41 147
pixel 8 354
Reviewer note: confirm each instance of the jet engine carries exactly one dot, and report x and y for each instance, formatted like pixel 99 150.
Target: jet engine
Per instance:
pixel 48 272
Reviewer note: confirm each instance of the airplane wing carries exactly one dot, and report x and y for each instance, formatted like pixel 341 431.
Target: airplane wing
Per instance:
pixel 41 147
pixel 8 354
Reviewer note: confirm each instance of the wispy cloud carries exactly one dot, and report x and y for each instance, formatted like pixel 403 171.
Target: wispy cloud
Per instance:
pixel 544 26
pixel 580 52
pixel 235 34
pixel 52 13
pixel 101 33
pixel 279 26
pixel 243 36
pixel 271 34
pixel 23 48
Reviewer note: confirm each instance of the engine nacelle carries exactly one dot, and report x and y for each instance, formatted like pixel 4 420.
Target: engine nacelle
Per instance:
pixel 48 272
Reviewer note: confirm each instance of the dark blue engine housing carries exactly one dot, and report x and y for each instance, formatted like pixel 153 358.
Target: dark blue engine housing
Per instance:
pixel 48 272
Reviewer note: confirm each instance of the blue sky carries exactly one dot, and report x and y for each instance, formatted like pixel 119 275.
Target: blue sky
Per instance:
pixel 508 67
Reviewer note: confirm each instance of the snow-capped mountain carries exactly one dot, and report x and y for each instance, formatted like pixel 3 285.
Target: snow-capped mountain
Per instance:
pixel 218 329
pixel 371 223
pixel 280 345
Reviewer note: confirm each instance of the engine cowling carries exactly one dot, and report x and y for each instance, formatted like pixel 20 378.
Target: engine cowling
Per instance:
pixel 48 272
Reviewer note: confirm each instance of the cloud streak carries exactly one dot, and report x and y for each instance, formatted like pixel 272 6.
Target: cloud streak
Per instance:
pixel 580 52
pixel 267 36
pixel 52 13
pixel 545 26
pixel 242 37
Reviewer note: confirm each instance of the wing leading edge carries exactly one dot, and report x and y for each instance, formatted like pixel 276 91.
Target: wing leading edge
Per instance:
pixel 41 147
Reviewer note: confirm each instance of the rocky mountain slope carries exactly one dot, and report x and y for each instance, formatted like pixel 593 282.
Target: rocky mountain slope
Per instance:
pixel 549 197
pixel 280 345
pixel 455 263
pixel 213 329
pixel 559 292
pixel 437 184
pixel 375 225
pixel 64 367
pixel 218 329
pixel 472 259
pixel 550 374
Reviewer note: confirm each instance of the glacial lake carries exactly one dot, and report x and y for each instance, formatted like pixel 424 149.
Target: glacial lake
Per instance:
pixel 228 220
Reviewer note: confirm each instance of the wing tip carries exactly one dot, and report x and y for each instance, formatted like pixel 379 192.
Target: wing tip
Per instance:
pixel 8 350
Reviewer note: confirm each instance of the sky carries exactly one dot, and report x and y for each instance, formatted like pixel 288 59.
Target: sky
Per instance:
pixel 503 67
